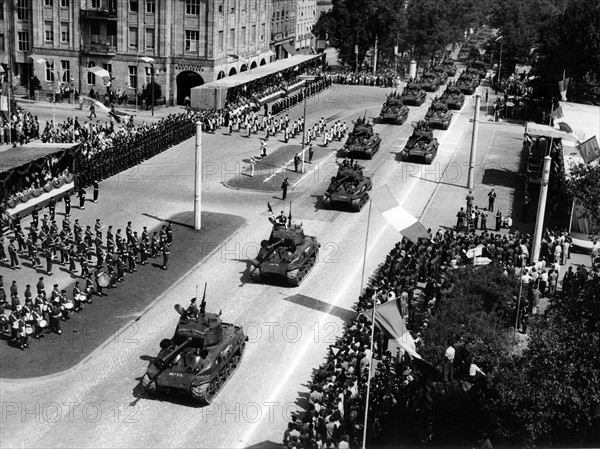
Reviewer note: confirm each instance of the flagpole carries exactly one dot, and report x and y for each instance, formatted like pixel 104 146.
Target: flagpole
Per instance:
pixel 362 278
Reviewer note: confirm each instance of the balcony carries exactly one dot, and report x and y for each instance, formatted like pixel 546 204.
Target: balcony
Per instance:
pixel 98 14
pixel 100 49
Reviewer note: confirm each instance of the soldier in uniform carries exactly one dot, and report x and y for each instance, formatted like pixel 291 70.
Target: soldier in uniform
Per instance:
pixel 67 200
pixel 110 240
pixel 166 253
pixel 98 228
pixel 34 216
pixel 52 208
pixel 81 198
pixel 55 315
pixel 154 245
pixel 96 190
pixel 169 232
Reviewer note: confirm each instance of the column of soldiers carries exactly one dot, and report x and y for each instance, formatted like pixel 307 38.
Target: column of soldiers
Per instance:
pixel 130 149
pixel 312 88
pixel 73 245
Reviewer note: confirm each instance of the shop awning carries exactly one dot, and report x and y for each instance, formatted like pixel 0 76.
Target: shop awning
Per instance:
pixel 288 47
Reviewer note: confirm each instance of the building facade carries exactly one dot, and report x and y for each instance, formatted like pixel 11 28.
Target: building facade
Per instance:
pixel 306 17
pixel 190 42
pixel 323 6
pixel 283 28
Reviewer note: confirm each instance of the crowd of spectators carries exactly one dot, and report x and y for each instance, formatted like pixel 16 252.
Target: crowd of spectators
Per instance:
pixel 22 128
pixel 416 274
pixel 383 78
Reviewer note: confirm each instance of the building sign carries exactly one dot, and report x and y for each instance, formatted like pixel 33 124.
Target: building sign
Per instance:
pixel 190 67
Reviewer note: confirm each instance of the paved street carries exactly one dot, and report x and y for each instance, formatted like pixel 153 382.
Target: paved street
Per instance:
pixel 99 402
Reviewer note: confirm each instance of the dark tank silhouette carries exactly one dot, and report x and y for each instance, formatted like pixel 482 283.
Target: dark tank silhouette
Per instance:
pixel 362 141
pixel 200 357
pixel 421 146
pixel 349 187
pixel 413 94
pixel 288 253
pixel 393 110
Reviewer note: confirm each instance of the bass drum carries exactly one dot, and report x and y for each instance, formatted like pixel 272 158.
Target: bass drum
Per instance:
pixel 68 305
pixel 28 329
pixel 103 279
pixel 42 323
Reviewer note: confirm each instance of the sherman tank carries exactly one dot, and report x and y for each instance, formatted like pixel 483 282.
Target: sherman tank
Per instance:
pixel 421 146
pixel 393 110
pixel 430 82
pixel 477 69
pixel 413 94
pixel 453 97
pixel 440 72
pixel 467 84
pixel 199 359
pixel 449 67
pixel 438 115
pixel 288 254
pixel 362 141
pixel 349 187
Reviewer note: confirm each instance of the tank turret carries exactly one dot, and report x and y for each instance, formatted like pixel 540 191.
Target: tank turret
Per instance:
pixel 199 358
pixel 349 187
pixel 421 146
pixel 362 141
pixel 413 94
pixel 394 110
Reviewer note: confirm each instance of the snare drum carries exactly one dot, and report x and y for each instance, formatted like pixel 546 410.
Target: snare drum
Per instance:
pixel 81 297
pixel 28 329
pixel 103 279
pixel 42 323
pixel 68 305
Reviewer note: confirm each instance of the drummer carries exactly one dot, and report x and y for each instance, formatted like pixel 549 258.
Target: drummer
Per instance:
pixel 23 330
pixel 77 297
pixel 55 315
pixel 66 305
pixel 99 276
pixel 38 323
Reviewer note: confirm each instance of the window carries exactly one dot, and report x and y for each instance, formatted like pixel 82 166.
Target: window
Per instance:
pixel 253 35
pixel 231 40
pixel 96 4
pixel 48 34
pixel 23 41
pixel 192 7
pixel 108 68
pixel 64 3
pixel 133 77
pixel 95 32
pixel 64 32
pixel 133 37
pixel 50 71
pixel 221 8
pixel 91 78
pixel 191 40
pixel 2 42
pixel 66 71
pixel 48 3
pixel 151 6
pixel 243 36
pixel 150 38
pixel 23 13
pixel 133 5
pixel 262 32
pixel 1 11
pixel 233 9
pixel 221 41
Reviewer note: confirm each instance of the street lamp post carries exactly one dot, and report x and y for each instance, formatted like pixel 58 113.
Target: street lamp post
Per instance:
pixel 500 39
pixel 306 78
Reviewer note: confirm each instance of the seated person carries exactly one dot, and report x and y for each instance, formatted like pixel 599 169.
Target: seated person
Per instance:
pixel 192 310
pixel 507 222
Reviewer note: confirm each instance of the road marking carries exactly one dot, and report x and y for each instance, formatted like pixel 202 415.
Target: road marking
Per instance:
pixel 312 171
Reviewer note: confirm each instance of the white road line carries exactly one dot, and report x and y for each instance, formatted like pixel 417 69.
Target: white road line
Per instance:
pixel 311 171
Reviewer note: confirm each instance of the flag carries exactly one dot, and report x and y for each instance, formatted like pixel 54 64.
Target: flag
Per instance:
pixel 589 150
pixel 563 85
pixel 557 113
pixel 117 115
pixel 398 217
pixel 4 97
pixel 396 50
pixel 356 49
pixel 389 319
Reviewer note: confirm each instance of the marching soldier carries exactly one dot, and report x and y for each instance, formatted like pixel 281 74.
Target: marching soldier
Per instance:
pixel 34 216
pixel 52 208
pixel 169 232
pixel 154 245
pixel 166 253
pixel 55 314
pixel 77 297
pixel 82 198
pixel 67 200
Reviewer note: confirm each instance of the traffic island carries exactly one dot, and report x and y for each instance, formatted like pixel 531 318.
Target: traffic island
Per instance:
pixel 107 317
pixel 270 171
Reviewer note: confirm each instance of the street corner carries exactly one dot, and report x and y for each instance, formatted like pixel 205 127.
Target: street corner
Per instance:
pixel 270 171
pixel 113 318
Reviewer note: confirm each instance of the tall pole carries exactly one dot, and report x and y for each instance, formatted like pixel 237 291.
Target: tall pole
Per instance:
pixel 152 87
pixel 362 279
pixel 375 55
pixel 198 179
pixel 539 221
pixel 500 66
pixel 474 142
pixel 303 131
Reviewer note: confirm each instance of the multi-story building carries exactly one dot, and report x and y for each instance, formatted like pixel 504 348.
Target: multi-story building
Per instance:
pixel 306 17
pixel 323 6
pixel 283 28
pixel 15 39
pixel 190 42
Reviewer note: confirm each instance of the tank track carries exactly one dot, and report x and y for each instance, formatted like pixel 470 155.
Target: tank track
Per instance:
pixel 295 277
pixel 209 390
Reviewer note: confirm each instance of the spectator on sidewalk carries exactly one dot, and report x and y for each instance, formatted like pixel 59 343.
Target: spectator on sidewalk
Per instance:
pixel 491 200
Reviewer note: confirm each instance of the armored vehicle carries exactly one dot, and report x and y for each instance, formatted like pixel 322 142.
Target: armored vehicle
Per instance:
pixel 430 82
pixel 438 115
pixel 467 84
pixel 362 141
pixel 199 359
pixel 287 254
pixel 421 146
pixel 440 72
pixel 477 69
pixel 449 67
pixel 393 110
pixel 413 94
pixel 348 187
pixel 453 97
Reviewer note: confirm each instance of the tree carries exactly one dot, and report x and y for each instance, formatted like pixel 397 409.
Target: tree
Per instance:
pixel 550 396
pixel 148 93
pixel 584 187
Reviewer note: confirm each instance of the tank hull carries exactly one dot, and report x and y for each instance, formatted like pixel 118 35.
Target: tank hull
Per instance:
pixel 363 151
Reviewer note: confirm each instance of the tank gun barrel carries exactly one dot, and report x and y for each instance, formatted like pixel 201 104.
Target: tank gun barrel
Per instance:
pixel 164 361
